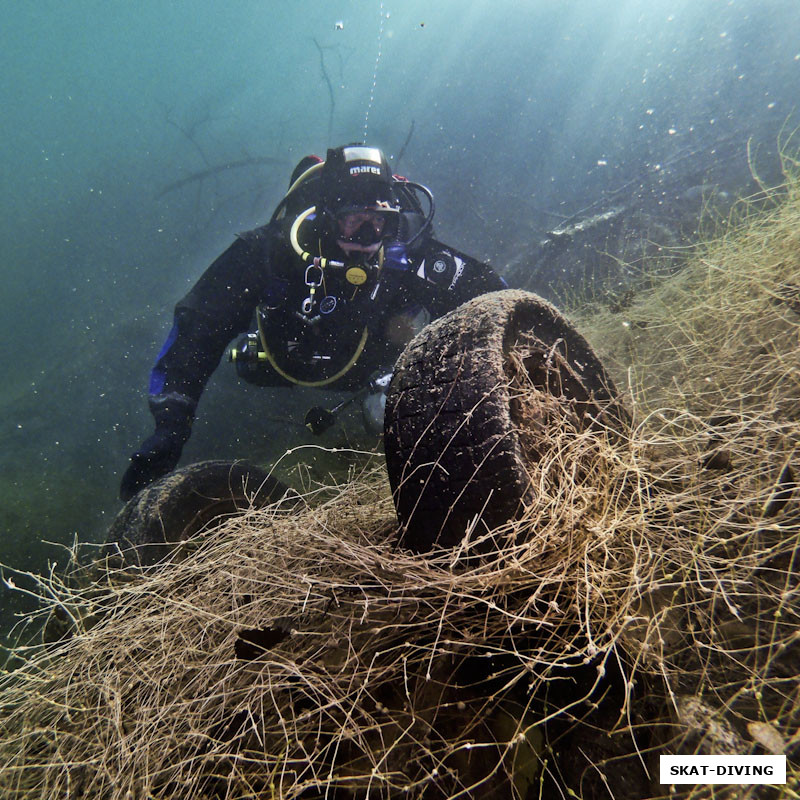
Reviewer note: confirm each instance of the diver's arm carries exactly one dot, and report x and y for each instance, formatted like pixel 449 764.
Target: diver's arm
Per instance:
pixel 450 277
pixel 190 355
pixel 218 307
pixel 477 278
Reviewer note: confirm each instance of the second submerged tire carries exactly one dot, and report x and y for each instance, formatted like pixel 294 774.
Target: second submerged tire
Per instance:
pixel 453 448
pixel 179 505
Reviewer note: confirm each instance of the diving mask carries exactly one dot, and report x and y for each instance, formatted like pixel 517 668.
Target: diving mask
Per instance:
pixel 362 229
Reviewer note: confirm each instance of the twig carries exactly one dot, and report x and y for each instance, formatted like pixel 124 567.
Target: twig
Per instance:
pixel 229 165
pixel 330 90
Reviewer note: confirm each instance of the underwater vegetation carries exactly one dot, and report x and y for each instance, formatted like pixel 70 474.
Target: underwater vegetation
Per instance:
pixel 646 602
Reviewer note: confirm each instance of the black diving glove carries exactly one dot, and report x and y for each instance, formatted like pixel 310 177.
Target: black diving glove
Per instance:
pixel 159 453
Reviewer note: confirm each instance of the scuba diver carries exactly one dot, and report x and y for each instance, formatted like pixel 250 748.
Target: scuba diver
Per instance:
pixel 326 295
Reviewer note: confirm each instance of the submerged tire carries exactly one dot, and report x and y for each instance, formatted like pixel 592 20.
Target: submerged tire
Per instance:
pixel 453 448
pixel 180 504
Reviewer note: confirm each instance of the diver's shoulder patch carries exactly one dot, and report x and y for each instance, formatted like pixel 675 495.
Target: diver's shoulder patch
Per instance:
pixel 442 268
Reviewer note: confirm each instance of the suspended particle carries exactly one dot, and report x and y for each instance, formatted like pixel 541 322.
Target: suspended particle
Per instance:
pixel 338 25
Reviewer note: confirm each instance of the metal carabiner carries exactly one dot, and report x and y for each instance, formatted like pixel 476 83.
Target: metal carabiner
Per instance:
pixel 310 282
pixel 308 303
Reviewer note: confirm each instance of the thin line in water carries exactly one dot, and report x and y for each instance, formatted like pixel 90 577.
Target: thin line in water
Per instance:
pixel 374 72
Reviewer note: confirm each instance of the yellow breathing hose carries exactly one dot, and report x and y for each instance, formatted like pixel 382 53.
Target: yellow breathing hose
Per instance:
pixel 322 263
pixel 304 254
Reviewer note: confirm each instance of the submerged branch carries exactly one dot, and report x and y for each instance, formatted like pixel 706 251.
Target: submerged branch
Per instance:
pixel 405 144
pixel 330 89
pixel 207 173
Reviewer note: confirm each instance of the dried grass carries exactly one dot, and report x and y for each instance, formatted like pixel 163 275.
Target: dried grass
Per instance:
pixel 646 603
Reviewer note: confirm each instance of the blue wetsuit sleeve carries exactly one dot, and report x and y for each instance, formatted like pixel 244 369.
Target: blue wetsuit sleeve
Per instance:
pixel 158 376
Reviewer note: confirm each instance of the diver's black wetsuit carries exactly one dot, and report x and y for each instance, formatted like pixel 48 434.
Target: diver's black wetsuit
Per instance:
pixel 323 321
pixel 261 269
